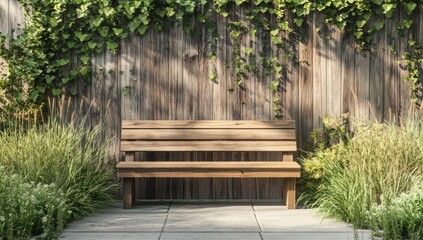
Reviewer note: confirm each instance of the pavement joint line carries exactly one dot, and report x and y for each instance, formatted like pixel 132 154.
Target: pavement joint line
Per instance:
pixel 111 231
pixel 167 216
pixel 211 232
pixel 255 216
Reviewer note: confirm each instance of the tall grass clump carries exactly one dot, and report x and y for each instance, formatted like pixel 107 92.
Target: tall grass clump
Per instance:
pixel 376 164
pixel 65 154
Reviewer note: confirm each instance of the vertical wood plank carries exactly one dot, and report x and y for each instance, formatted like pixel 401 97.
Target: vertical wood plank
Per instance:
pixel 319 74
pixel 334 79
pixel 305 118
pixel 376 74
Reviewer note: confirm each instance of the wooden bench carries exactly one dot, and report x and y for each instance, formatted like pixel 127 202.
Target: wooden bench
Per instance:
pixel 210 136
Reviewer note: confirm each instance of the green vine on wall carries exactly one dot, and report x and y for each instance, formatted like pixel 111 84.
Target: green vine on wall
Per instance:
pixel 61 36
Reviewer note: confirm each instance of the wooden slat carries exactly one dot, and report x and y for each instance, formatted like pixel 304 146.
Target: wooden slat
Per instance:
pixel 208 165
pixel 209 169
pixel 206 124
pixel 211 174
pixel 200 146
pixel 204 134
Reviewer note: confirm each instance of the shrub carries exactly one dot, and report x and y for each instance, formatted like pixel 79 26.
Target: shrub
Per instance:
pixel 379 160
pixel 28 209
pixel 401 217
pixel 67 155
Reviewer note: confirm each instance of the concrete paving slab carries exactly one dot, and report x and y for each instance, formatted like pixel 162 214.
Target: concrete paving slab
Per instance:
pixel 212 222
pixel 298 220
pixel 211 206
pixel 109 236
pixel 139 207
pixel 362 235
pixel 120 222
pixel 210 236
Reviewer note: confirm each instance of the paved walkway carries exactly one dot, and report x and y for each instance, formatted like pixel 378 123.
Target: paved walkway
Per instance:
pixel 209 220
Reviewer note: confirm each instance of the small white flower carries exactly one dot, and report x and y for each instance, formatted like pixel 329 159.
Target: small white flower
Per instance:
pixel 44 219
pixel 2 219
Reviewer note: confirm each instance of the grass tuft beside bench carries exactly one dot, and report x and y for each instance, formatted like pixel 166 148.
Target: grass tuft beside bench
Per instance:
pixel 210 136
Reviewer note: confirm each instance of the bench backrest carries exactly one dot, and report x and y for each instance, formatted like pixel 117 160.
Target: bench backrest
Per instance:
pixel 213 136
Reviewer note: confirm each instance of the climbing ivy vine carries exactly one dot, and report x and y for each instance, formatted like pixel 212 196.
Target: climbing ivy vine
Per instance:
pixel 61 36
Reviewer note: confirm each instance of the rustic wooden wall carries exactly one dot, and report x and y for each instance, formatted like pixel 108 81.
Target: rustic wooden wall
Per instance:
pixel 166 76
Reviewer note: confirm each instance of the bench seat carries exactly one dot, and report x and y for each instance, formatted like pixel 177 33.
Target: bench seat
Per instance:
pixel 177 169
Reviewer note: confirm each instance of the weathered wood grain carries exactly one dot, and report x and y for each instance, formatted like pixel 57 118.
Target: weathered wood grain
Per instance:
pixel 209 134
pixel 204 146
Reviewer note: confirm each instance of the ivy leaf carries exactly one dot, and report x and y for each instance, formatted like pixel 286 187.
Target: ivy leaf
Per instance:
pixel 53 22
pixel 117 31
pixel 274 32
pixel 81 36
pixel 56 91
pixel 248 50
pixel 84 70
pixel 358 34
pixel 360 23
pixel 379 25
pixel 49 79
pixel 96 22
pixel 104 31
pixel 65 80
pixel 341 25
pixel 276 39
pixel 299 21
pixel 41 89
pixel 411 43
pixel 133 25
pixel 278 68
pixel 202 18
pixel 142 29
pixel 170 12
pixel 408 23
pixel 70 44
pixel 388 9
pixel 410 8
pixel 129 10
pixel 92 45
pixel 62 62
pixel 108 11
pixel 274 85
pixel 378 2
pixel 34 95
pixel 65 36
pixel 112 45
pixel 213 76
pixel 85 59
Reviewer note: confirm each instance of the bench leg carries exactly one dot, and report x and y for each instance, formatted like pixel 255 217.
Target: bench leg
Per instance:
pixel 289 191
pixel 128 192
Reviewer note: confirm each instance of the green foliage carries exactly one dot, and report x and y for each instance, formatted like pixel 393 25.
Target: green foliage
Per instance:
pixel 412 61
pixel 63 154
pixel 28 209
pixel 61 36
pixel 379 161
pixel 401 217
